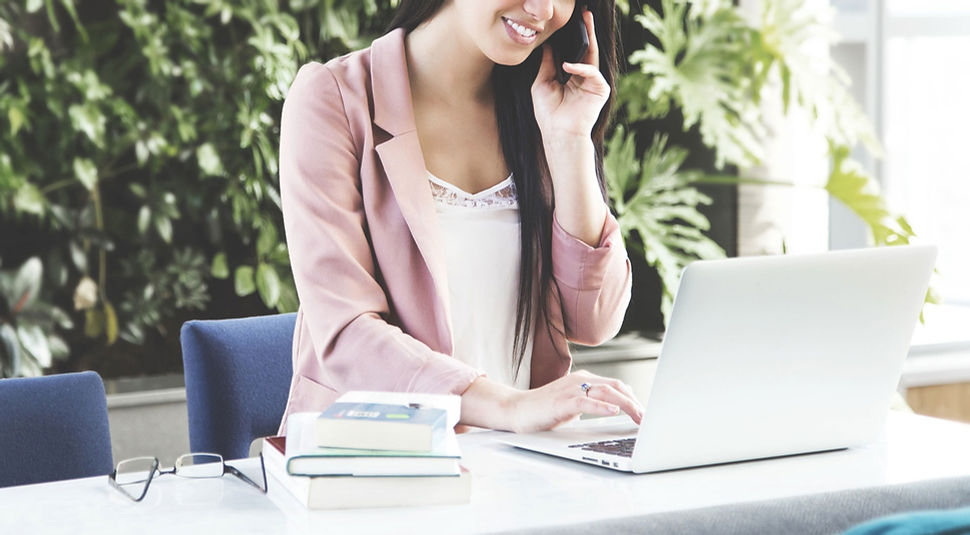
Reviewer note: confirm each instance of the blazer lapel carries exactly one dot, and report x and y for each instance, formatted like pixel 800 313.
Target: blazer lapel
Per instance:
pixel 401 155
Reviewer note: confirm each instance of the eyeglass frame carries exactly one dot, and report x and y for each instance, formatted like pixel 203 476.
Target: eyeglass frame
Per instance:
pixel 226 468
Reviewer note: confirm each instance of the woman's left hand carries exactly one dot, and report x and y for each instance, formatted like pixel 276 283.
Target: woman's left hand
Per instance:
pixel 572 109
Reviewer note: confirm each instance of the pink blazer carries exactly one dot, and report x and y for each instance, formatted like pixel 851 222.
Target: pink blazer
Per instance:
pixel 364 246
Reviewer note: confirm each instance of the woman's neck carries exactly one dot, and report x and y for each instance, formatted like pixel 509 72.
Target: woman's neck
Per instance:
pixel 444 67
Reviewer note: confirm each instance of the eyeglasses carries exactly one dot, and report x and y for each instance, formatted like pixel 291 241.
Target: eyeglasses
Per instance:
pixel 133 476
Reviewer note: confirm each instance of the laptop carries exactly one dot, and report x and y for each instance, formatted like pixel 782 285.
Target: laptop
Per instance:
pixel 766 357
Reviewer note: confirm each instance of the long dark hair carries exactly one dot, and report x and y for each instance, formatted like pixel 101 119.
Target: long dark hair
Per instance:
pixel 522 148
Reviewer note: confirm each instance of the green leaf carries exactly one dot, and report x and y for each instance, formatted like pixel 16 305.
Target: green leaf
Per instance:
pixel 855 189
pixel 59 348
pixel 812 81
pixel 220 268
pixel 11 349
pixel 289 301
pixel 164 227
pixel 268 284
pixel 16 117
pixel 6 41
pixel 110 323
pixel 29 199
pixel 89 120
pixel 141 152
pixel 79 257
pixel 34 342
pixel 52 16
pixel 72 11
pixel 144 219
pixel 244 281
pixel 93 322
pixel 61 319
pixel 267 239
pixel 26 284
pixel 86 172
pixel 209 161
pixel 56 268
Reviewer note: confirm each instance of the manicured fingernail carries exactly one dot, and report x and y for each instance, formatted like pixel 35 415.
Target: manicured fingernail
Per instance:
pixel 615 409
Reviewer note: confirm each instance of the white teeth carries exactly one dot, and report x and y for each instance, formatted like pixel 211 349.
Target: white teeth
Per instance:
pixel 521 30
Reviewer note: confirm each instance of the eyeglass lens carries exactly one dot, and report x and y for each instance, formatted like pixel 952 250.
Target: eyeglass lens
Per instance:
pixel 199 465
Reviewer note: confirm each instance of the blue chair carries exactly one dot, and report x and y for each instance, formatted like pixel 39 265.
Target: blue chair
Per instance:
pixel 53 428
pixel 237 379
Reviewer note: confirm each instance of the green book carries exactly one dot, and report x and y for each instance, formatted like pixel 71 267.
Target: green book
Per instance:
pixel 305 458
pixel 380 426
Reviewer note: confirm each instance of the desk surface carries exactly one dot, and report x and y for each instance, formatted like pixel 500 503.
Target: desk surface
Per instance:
pixel 511 489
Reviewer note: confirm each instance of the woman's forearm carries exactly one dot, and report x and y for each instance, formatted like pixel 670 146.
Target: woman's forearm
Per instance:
pixel 580 209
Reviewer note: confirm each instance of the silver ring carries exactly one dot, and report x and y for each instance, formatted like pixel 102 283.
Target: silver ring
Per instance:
pixel 586 387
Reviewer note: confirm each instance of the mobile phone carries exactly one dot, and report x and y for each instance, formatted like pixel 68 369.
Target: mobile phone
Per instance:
pixel 570 42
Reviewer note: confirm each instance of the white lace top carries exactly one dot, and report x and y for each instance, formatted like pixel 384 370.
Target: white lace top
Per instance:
pixel 481 244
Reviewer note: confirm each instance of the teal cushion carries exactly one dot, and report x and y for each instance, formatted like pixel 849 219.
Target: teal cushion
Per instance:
pixel 952 522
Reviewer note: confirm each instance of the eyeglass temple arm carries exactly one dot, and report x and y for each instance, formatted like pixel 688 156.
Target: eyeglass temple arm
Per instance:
pixel 144 491
pixel 236 472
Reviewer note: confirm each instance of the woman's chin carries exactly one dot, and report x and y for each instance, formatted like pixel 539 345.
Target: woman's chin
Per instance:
pixel 510 59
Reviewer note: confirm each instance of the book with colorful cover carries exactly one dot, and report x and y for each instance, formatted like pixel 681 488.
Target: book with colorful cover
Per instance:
pixel 304 457
pixel 349 492
pixel 448 402
pixel 381 426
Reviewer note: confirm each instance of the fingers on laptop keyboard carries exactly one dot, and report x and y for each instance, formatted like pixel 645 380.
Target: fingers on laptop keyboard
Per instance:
pixel 622 395
pixel 612 397
pixel 589 405
pixel 625 389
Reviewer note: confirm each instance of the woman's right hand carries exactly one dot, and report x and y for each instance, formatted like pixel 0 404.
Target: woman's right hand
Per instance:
pixel 564 399
pixel 488 404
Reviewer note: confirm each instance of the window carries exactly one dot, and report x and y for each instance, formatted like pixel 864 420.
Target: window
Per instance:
pixel 909 61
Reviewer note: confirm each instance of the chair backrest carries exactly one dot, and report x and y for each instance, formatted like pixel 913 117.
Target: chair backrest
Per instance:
pixel 52 428
pixel 237 379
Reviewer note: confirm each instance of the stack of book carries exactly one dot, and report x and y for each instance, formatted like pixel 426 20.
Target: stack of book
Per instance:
pixel 382 453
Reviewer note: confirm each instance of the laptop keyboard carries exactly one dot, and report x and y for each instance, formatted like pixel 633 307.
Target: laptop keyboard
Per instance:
pixel 622 447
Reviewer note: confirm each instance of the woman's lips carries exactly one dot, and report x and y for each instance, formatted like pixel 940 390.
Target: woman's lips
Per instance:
pixel 519 33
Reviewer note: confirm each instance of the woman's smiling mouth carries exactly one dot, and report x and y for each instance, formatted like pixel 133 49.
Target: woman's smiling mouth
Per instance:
pixel 519 33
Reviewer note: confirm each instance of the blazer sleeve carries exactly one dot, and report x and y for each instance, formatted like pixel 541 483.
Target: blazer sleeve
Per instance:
pixel 345 307
pixel 594 283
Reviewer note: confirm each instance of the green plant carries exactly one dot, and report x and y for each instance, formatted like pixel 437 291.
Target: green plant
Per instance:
pixel 656 199
pixel 28 339
pixel 138 148
pixel 715 68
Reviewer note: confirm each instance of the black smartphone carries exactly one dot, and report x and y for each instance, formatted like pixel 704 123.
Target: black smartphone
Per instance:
pixel 570 42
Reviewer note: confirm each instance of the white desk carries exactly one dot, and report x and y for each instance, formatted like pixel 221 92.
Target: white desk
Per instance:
pixel 511 489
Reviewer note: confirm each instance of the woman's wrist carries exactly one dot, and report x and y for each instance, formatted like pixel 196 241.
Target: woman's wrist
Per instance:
pixel 571 161
pixel 486 403
pixel 580 208
pixel 568 145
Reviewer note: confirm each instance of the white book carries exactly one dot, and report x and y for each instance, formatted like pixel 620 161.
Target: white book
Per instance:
pixel 305 458
pixel 349 492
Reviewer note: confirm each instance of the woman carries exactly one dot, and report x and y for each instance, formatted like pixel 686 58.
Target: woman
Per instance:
pixel 407 281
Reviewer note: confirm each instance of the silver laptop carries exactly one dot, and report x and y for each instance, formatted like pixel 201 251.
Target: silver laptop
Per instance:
pixel 765 357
